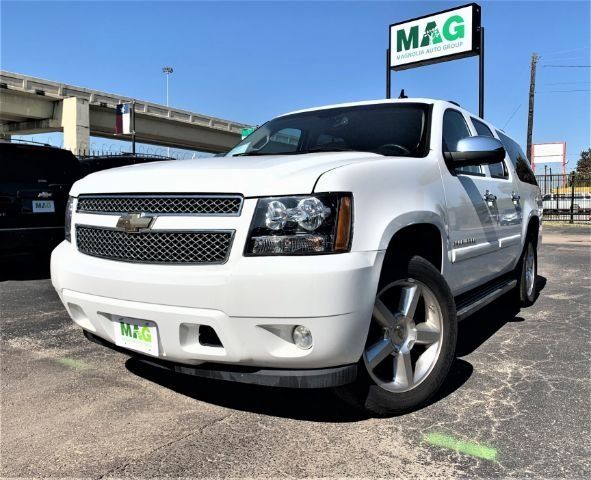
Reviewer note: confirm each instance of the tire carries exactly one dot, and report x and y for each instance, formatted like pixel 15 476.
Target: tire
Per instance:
pixel 527 273
pixel 423 341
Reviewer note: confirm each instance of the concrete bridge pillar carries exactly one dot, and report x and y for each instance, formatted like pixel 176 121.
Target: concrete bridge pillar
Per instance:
pixel 76 125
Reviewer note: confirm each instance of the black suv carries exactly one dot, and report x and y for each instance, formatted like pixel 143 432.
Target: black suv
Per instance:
pixel 34 184
pixel 103 162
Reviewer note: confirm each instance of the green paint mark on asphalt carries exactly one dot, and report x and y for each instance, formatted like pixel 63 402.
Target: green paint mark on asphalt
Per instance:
pixel 75 364
pixel 469 448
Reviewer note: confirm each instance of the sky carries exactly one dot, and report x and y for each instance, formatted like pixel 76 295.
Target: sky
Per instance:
pixel 250 61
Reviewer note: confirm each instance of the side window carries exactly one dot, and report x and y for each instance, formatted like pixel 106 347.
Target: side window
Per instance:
pixel 481 128
pixel 497 170
pixel 455 129
pixel 518 159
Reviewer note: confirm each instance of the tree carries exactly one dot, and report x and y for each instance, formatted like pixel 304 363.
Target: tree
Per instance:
pixel 584 163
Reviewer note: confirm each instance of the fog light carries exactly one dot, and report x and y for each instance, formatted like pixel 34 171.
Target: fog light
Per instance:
pixel 302 337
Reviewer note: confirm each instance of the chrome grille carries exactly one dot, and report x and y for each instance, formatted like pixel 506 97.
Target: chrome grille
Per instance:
pixel 161 204
pixel 211 247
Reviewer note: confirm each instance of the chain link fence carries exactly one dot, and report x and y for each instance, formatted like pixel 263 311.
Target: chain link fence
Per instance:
pixel 566 198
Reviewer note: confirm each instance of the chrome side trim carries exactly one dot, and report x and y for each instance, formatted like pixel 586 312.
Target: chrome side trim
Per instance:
pixel 508 241
pixel 459 254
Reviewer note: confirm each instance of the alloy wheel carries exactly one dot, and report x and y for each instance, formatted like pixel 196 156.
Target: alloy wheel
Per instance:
pixel 530 270
pixel 405 336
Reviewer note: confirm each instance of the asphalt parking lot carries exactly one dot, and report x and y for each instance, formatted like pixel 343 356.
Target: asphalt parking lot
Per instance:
pixel 517 403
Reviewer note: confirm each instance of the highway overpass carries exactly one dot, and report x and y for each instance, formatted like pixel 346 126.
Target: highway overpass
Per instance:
pixel 30 105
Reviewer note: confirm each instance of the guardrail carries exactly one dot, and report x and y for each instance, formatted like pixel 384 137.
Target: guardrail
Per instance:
pixel 56 90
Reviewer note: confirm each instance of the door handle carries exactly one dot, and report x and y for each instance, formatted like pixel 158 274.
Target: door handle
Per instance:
pixel 515 197
pixel 489 197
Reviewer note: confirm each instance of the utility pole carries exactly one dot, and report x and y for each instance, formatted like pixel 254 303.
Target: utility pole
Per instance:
pixel 530 115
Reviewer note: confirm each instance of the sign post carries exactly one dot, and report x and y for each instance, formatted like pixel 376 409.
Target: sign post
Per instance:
pixel 133 127
pixel 439 37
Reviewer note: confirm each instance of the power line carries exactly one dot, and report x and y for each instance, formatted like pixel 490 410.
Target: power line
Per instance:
pixel 567 66
pixel 563 91
pixel 560 52
pixel 511 116
pixel 563 83
pixel 580 58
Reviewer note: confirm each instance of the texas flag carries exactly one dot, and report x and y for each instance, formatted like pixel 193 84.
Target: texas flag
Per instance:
pixel 123 118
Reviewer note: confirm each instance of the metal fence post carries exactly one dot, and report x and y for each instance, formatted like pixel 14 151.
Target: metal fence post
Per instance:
pixel 572 197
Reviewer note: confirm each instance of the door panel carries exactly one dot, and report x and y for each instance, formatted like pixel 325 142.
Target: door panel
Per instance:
pixel 473 235
pixel 473 214
pixel 510 222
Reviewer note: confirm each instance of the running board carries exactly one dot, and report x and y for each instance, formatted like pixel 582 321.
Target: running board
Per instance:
pixel 469 303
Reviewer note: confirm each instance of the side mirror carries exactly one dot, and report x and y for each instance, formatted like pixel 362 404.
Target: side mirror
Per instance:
pixel 476 151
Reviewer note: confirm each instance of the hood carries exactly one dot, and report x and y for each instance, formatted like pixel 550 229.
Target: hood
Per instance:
pixel 266 175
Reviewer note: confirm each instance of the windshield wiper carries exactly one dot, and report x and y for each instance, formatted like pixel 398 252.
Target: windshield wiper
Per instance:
pixel 254 154
pixel 303 152
pixel 335 149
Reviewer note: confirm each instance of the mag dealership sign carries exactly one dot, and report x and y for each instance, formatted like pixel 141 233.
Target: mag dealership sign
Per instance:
pixel 434 38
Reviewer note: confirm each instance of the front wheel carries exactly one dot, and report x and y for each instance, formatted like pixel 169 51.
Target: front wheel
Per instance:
pixel 411 342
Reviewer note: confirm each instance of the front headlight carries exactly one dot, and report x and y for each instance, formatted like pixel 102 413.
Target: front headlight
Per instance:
pixel 301 225
pixel 68 219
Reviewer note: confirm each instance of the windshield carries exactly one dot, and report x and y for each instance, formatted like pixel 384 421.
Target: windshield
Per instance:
pixel 385 129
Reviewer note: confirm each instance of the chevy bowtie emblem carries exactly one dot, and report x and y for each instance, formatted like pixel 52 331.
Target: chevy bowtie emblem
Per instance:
pixel 134 222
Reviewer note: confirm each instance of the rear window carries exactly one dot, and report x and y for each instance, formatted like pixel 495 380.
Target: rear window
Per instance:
pixel 22 163
pixel 518 159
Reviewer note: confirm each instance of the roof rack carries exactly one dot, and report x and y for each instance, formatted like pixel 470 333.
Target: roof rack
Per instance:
pixel 455 103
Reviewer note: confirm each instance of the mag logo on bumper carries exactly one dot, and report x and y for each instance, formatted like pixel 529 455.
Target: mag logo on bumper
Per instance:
pixel 440 37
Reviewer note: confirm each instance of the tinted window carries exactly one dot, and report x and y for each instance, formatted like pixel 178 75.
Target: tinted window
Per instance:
pixel 497 170
pixel 482 129
pixel 454 130
pixel 386 129
pixel 518 159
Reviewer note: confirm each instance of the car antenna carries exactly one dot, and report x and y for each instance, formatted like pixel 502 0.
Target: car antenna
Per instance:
pixel 402 94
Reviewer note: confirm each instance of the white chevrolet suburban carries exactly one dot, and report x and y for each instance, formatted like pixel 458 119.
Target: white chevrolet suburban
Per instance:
pixel 333 247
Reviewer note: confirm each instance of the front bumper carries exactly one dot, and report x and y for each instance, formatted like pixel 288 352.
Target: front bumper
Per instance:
pixel 270 377
pixel 252 304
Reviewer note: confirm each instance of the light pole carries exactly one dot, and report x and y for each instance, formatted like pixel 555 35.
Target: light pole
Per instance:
pixel 167 71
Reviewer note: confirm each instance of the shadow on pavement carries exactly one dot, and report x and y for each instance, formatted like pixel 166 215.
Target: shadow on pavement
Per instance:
pixel 322 405
pixel 318 405
pixel 478 328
